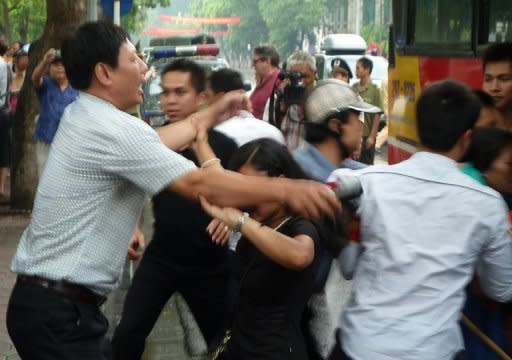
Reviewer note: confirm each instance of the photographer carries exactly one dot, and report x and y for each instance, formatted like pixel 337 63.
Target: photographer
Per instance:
pixel 297 82
pixel 54 93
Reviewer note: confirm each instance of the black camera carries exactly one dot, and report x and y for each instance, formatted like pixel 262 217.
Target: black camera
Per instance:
pixel 294 92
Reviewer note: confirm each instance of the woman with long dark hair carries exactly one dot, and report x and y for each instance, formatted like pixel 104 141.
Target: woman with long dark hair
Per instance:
pixel 276 260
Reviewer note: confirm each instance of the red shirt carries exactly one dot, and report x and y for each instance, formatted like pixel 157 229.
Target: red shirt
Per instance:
pixel 261 94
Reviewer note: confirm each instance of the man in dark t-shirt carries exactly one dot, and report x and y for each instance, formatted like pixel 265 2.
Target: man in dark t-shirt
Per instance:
pixel 181 256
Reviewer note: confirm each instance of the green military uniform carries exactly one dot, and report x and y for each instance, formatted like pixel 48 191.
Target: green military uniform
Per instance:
pixel 370 94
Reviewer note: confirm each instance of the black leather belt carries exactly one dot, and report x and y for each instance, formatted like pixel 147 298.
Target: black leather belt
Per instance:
pixel 69 290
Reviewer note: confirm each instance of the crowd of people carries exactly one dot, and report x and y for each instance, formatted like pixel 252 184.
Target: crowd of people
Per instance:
pixel 245 228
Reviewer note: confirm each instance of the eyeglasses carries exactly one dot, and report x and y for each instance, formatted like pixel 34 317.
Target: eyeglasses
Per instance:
pixel 255 61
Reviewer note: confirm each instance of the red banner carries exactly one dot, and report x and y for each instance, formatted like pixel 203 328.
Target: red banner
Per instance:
pixel 160 32
pixel 231 20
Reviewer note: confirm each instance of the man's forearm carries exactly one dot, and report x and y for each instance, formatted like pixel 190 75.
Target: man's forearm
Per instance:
pixel 38 73
pixel 375 126
pixel 227 188
pixel 177 135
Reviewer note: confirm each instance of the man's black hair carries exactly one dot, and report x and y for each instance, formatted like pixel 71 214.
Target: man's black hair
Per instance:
pixel 268 52
pixel 196 71
pixel 224 80
pixel 497 52
pixel 445 111
pixel 91 43
pixel 366 63
pixel 487 144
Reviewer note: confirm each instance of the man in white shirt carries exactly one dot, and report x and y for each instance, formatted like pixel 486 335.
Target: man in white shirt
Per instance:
pixel 243 127
pixel 424 228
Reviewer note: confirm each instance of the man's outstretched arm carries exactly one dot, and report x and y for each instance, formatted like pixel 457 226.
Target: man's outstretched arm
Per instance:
pixel 226 188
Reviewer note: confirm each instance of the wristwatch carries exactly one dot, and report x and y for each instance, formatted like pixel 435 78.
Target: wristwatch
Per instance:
pixel 240 222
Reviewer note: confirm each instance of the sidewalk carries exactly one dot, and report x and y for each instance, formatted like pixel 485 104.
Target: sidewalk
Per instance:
pixel 166 342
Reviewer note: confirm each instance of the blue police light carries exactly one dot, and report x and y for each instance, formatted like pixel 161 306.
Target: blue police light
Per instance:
pixel 188 50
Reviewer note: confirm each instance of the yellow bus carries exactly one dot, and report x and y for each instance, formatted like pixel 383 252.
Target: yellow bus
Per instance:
pixel 431 40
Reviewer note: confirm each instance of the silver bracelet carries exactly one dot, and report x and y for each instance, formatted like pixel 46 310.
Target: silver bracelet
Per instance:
pixel 209 162
pixel 240 222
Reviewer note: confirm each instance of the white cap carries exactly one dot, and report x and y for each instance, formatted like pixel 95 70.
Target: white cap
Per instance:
pixel 332 96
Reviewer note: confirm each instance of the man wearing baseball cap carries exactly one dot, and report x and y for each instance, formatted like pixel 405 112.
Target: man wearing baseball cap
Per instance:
pixel 333 129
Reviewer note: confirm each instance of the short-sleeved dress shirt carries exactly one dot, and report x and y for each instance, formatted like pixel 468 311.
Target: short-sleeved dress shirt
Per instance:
pixel 370 94
pixel 101 165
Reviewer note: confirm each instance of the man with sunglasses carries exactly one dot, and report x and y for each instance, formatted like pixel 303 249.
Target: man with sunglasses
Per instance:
pixel 265 61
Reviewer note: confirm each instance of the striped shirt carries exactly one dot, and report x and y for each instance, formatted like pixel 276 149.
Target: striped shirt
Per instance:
pixel 101 165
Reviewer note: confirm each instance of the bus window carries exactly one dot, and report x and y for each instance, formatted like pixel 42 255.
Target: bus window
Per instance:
pixel 500 21
pixel 443 22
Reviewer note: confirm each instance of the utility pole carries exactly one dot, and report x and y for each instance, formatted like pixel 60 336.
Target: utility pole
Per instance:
pixel 117 12
pixel 358 17
pixel 92 10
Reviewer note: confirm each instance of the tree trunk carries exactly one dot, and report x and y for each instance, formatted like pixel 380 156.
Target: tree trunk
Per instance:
pixel 24 25
pixel 62 16
pixel 6 26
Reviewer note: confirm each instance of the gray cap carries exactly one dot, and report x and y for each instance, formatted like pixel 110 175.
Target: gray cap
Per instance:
pixel 331 96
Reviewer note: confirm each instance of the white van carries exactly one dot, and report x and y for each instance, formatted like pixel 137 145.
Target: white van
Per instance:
pixel 338 44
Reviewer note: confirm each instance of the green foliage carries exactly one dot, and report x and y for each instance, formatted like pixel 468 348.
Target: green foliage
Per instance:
pixel 284 23
pixel 377 34
pixel 22 20
pixel 291 21
pixel 134 21
pixel 251 30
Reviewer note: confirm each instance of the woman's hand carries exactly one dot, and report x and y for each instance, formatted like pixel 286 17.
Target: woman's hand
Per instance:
pixel 228 216
pixel 219 232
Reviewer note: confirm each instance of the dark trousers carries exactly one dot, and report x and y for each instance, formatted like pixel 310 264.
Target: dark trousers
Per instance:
pixel 45 325
pixel 367 155
pixel 154 283
pixel 5 137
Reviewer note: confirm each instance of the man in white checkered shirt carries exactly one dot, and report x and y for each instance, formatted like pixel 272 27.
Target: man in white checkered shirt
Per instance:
pixel 102 164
